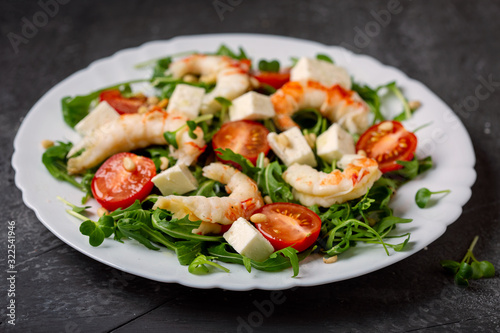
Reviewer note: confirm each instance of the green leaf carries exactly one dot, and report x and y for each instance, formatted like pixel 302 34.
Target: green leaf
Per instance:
pixel 487 269
pixel 465 270
pixel 55 160
pixel 269 66
pixel 187 251
pixel 274 185
pixel 198 265
pixel 191 126
pixel 291 254
pixel 107 224
pixel 96 235
pixel 461 281
pixel 388 223
pixel 226 51
pixel 171 139
pixel 450 266
pixel 324 57
pixel 273 264
pixel 422 197
pixel 246 166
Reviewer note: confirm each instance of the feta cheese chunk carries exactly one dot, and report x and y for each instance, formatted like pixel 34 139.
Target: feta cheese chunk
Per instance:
pixel 321 71
pixel 291 147
pixel 334 143
pixel 251 106
pixel 102 113
pixel 248 241
pixel 177 179
pixel 187 100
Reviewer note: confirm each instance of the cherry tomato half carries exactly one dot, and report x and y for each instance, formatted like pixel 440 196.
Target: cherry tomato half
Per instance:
pixel 113 186
pixel 289 224
pixel 274 79
pixel 245 137
pixel 388 142
pixel 121 104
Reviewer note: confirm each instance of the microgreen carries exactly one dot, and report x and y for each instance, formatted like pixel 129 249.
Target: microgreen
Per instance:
pixel 198 265
pixel 423 196
pixel 324 57
pixel 469 268
pixel 269 66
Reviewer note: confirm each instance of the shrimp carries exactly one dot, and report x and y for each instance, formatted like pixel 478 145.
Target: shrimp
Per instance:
pixel 243 200
pixel 336 103
pixel 312 187
pixel 231 76
pixel 134 131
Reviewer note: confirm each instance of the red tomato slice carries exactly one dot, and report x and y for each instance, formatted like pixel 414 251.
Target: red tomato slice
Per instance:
pixel 114 187
pixel 289 224
pixel 274 79
pixel 121 104
pixel 245 137
pixel 388 142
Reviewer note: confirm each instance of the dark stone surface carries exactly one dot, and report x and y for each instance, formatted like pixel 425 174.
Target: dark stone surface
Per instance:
pixel 448 45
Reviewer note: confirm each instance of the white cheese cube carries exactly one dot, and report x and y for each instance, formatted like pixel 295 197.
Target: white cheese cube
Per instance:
pixel 187 100
pixel 177 179
pixel 291 147
pixel 321 71
pixel 248 241
pixel 102 113
pixel 334 143
pixel 251 106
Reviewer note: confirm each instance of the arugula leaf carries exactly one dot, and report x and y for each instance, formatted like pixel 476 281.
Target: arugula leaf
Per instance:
pixel 271 183
pixel 226 51
pixel 274 263
pixel 246 166
pixel 55 160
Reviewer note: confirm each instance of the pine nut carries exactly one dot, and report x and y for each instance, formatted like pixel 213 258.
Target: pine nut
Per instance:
pixel 142 109
pixel 254 82
pixel 266 162
pixel 414 105
pixel 258 218
pixel 311 139
pixel 268 200
pixel 386 126
pixel 164 163
pixel 330 260
pixel 101 211
pixel 46 144
pixel 129 164
pixel 209 78
pixel 153 100
pixel 189 78
pixel 361 152
pixel 163 103
pixel 283 141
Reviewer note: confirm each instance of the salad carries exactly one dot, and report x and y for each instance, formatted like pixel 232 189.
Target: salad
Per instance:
pixel 227 161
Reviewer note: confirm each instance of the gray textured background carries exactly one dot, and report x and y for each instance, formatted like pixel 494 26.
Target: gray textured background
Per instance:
pixel 447 45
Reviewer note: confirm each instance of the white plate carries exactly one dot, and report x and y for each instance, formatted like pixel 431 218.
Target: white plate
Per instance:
pixel 445 139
